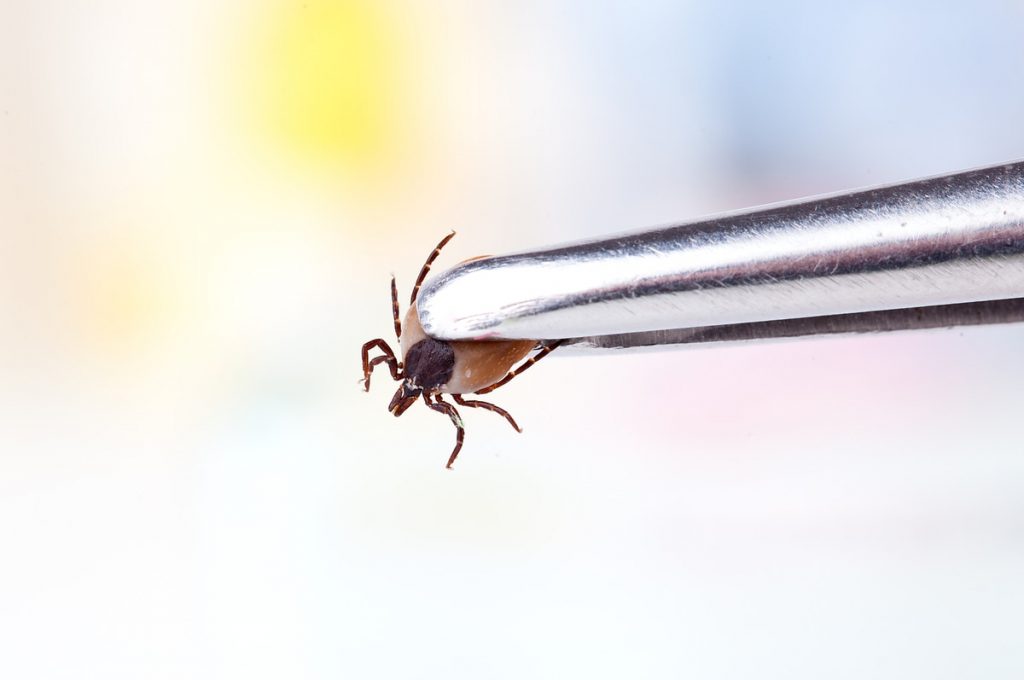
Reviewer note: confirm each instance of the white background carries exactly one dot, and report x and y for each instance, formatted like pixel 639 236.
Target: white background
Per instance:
pixel 200 205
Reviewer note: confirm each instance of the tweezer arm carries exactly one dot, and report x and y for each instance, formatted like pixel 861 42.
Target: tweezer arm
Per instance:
pixel 939 241
pixel 990 312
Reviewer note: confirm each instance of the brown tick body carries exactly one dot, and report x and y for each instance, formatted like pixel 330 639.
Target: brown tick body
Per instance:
pixel 430 367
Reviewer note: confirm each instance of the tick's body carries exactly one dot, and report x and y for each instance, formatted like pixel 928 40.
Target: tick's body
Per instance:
pixel 430 367
pixel 476 364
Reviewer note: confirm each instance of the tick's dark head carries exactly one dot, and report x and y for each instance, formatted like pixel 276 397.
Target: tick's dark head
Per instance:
pixel 429 364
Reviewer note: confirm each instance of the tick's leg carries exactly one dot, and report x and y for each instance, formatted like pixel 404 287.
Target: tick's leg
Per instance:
pixel 389 357
pixel 546 350
pixel 392 366
pixel 460 432
pixel 394 309
pixel 490 407
pixel 426 266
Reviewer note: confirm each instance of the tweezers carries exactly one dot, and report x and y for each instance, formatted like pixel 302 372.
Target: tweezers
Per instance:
pixel 931 253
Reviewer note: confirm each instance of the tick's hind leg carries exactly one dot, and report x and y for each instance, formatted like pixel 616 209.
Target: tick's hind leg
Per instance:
pixel 544 351
pixel 490 407
pixel 389 357
pixel 460 432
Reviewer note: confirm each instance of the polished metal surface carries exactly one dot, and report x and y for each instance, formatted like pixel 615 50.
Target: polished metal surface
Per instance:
pixel 938 241
pixel 915 318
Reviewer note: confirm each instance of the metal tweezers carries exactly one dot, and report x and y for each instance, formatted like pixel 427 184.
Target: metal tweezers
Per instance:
pixel 932 253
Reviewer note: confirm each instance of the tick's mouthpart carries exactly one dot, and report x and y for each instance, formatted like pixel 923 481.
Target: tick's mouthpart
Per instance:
pixel 403 399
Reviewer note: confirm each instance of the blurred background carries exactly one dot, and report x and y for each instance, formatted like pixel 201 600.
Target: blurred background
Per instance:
pixel 200 206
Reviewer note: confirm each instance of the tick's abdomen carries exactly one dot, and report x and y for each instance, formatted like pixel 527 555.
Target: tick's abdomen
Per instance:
pixel 481 364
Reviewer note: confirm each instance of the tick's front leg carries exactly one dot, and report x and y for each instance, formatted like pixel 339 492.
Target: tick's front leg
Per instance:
pixel 389 357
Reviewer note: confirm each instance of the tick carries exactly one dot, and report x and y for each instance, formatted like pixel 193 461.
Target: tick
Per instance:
pixel 431 367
